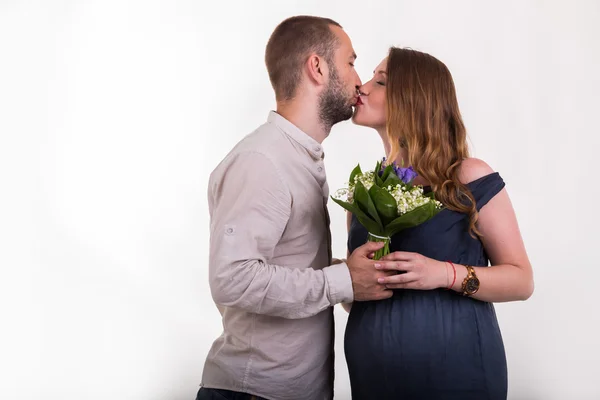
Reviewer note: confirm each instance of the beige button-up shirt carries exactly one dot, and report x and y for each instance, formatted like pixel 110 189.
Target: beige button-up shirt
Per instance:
pixel 269 268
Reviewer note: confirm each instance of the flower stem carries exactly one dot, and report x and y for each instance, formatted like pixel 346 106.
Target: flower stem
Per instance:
pixel 385 250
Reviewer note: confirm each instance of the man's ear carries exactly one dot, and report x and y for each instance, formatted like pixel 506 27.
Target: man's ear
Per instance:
pixel 317 69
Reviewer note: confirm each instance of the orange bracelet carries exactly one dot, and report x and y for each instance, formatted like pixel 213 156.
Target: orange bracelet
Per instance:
pixel 453 280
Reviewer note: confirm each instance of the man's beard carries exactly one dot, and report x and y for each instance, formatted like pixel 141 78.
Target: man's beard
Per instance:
pixel 334 103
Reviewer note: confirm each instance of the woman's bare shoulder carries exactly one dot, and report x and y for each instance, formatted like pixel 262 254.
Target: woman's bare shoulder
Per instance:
pixel 472 169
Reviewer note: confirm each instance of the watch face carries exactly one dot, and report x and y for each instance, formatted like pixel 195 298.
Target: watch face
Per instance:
pixel 472 285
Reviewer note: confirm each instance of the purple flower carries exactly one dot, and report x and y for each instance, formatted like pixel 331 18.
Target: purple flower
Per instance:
pixel 406 175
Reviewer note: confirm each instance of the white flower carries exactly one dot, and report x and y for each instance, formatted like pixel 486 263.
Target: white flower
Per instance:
pixel 407 199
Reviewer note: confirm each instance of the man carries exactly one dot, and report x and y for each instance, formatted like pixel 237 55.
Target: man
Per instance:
pixel 270 247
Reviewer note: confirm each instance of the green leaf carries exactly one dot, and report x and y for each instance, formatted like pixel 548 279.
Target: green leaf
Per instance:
pixel 355 171
pixel 378 181
pixel 412 218
pixel 363 218
pixel 386 205
pixel 386 172
pixel 392 180
pixel 362 198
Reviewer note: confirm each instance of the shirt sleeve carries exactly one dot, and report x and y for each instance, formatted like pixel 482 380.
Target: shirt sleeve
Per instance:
pixel 250 208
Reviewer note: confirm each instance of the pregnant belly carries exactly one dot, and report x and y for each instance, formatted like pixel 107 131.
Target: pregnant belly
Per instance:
pixel 421 338
pixel 419 328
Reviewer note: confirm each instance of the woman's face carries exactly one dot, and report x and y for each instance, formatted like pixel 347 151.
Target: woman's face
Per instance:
pixel 371 107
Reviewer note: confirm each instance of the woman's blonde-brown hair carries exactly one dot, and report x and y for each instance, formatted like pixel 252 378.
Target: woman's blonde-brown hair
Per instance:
pixel 424 118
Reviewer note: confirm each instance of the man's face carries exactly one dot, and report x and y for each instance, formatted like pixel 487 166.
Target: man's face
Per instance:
pixel 340 95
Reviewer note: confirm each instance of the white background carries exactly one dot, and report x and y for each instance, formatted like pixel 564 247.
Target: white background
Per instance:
pixel 113 113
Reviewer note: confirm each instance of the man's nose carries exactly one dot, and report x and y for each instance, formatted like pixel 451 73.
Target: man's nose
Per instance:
pixel 358 81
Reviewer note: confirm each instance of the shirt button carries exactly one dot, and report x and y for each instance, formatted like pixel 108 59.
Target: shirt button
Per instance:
pixel 317 148
pixel 320 169
pixel 229 231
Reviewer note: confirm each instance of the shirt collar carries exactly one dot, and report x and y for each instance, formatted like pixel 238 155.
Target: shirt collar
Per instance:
pixel 313 147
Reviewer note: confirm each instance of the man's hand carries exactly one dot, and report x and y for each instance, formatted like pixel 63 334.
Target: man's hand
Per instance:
pixel 364 274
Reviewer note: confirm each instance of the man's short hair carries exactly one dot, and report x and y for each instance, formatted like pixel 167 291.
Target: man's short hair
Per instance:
pixel 289 46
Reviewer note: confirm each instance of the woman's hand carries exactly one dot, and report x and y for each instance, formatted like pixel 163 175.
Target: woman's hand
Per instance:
pixel 421 273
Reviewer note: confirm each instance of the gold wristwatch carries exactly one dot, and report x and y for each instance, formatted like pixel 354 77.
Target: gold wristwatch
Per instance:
pixel 470 285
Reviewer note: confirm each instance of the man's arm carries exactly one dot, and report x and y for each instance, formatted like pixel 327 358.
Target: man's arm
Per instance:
pixel 348 306
pixel 251 207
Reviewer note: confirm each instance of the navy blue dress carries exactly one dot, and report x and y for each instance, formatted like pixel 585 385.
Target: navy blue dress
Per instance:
pixel 429 344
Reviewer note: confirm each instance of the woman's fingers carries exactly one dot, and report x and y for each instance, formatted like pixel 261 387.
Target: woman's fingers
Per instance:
pixel 399 256
pixel 399 279
pixel 393 265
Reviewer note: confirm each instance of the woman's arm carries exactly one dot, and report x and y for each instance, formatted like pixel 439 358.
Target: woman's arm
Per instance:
pixel 510 277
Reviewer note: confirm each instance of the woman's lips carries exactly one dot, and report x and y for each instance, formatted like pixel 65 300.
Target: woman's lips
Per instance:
pixel 359 101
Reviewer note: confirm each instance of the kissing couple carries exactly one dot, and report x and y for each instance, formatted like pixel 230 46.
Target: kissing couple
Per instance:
pixel 422 323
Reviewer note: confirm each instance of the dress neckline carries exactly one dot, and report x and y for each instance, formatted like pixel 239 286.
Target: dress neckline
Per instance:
pixel 427 188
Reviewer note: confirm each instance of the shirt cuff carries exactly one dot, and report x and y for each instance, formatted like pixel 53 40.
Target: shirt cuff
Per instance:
pixel 340 283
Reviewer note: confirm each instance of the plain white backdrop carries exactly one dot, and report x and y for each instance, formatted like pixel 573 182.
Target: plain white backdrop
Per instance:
pixel 113 113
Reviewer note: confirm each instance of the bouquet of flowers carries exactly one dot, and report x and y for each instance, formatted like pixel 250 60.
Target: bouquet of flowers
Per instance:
pixel 385 201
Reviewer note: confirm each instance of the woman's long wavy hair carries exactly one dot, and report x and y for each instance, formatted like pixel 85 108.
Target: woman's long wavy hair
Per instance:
pixel 423 117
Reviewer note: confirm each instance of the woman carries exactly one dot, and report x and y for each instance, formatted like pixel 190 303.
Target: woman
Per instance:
pixel 438 336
